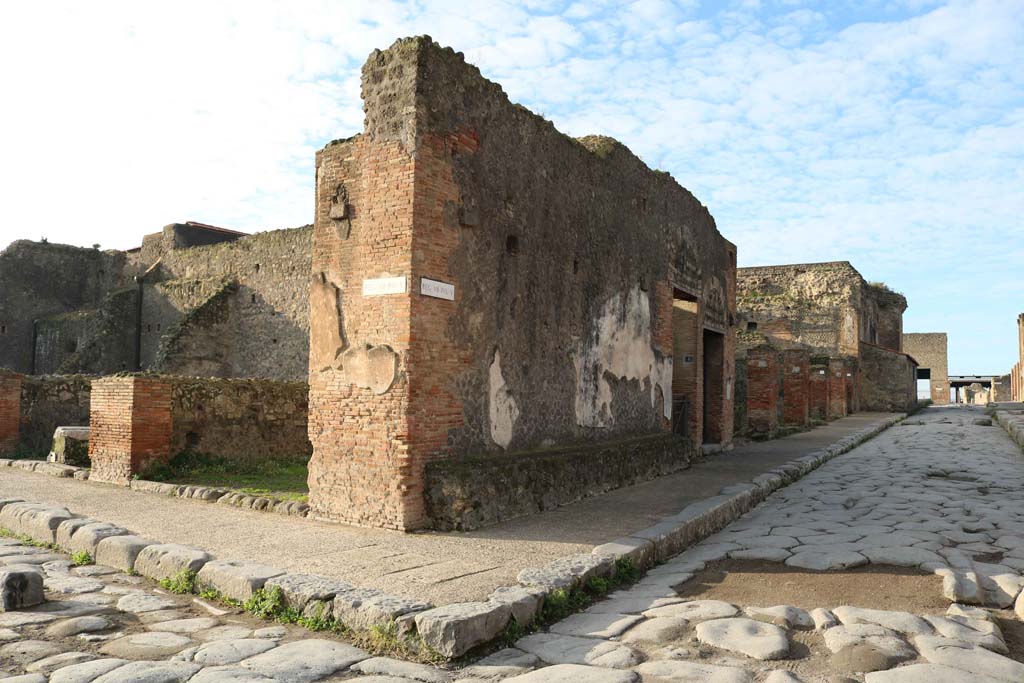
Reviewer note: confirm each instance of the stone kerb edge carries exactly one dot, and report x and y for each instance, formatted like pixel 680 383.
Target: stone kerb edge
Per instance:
pixel 1013 424
pixel 153 559
pixel 703 518
pixel 454 629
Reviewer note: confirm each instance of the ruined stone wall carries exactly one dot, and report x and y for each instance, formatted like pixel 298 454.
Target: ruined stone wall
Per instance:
pixel 1017 373
pixel 1001 389
pixel 48 402
pixel 240 419
pixel 261 330
pixel 815 305
pixel 564 257
pixel 38 280
pixel 884 314
pixel 888 380
pixel 930 350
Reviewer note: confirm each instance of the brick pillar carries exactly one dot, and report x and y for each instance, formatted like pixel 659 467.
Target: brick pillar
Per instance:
pixel 763 390
pixel 130 426
pixel 796 387
pixel 852 369
pixel 836 388
pixel 10 412
pixel 817 388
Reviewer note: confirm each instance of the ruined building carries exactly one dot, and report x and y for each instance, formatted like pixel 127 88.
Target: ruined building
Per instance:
pixel 849 330
pixel 192 300
pixel 490 295
pixel 930 350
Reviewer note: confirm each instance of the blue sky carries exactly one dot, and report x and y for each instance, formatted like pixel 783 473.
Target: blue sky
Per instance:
pixel 889 134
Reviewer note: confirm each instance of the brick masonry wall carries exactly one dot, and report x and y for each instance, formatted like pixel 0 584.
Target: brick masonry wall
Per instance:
pixel 796 387
pixel 48 402
pixel 763 390
pixel 130 426
pixel 10 412
pixel 818 393
pixel 483 196
pixel 837 388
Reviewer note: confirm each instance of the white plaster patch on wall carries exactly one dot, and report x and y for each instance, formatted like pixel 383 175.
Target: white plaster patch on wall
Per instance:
pixel 503 409
pixel 619 344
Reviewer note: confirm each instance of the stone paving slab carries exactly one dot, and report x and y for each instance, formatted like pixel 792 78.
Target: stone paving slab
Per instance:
pixel 437 567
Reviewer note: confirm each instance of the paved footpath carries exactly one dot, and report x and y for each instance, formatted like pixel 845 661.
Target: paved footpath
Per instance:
pixel 437 567
pixel 938 494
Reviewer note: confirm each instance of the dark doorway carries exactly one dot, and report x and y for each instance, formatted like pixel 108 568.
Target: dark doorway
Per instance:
pixel 685 354
pixel 714 376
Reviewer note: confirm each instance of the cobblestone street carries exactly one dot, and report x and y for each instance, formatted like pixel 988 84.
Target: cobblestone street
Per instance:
pixel 933 504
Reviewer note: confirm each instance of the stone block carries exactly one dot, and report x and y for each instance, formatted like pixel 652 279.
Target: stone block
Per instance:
pixel 235 579
pixel 39 522
pixel 68 528
pixel 567 572
pixel 88 536
pixel 70 446
pixel 525 602
pixel 454 629
pixel 639 551
pixel 363 608
pixel 166 560
pixel 155 487
pixel 300 589
pixel 20 588
pixel 120 551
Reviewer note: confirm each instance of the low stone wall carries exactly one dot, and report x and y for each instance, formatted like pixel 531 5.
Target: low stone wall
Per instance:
pixel 240 419
pixel 141 421
pixel 48 402
pixel 467 494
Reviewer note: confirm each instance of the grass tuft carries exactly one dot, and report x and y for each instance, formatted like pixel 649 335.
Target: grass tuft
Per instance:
pixel 81 558
pixel 182 583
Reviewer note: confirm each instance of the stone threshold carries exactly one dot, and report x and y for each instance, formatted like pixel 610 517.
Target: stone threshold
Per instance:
pixel 453 629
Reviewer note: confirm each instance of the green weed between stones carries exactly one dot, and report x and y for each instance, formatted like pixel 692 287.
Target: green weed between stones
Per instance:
pixel 182 583
pixel 81 558
pixel 27 540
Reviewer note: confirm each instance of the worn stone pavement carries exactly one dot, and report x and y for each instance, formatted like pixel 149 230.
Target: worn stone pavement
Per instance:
pixel 440 568
pixel 940 493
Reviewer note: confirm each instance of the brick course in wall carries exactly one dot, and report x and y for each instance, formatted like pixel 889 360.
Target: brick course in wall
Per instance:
pixel 836 388
pixel 796 387
pixel 10 411
pixel 130 426
pixel 763 390
pixel 817 389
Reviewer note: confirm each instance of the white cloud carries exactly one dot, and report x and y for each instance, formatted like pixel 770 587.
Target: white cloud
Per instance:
pixel 890 134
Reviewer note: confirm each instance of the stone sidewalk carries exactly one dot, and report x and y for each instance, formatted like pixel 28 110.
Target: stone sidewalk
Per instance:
pixel 439 567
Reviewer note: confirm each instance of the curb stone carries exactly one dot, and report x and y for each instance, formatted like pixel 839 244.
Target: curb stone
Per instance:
pixel 1013 423
pixel 699 520
pixel 455 629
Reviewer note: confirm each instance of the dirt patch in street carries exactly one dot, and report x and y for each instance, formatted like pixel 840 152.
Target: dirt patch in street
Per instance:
pixel 1013 635
pixel 763 584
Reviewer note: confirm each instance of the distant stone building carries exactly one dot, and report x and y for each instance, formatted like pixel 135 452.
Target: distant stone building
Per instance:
pixel 853 327
pixel 1017 373
pixel 192 300
pixel 930 350
pixel 489 295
